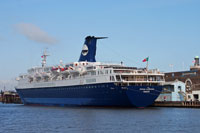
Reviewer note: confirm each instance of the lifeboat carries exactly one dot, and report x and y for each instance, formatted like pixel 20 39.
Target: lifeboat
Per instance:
pixel 31 78
pixel 65 71
pixel 46 75
pixel 38 76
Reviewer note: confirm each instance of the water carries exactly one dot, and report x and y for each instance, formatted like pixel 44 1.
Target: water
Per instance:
pixel 34 119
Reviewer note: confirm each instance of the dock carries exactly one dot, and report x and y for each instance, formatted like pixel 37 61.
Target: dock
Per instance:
pixel 10 97
pixel 183 104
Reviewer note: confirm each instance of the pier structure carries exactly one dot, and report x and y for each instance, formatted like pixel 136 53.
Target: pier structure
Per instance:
pixel 191 78
pixel 173 91
pixel 181 104
pixel 10 97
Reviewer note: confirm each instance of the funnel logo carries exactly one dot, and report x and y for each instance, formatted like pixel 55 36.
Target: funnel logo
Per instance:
pixel 85 50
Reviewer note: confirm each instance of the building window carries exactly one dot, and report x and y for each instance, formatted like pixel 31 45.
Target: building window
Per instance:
pixel 196 97
pixel 179 88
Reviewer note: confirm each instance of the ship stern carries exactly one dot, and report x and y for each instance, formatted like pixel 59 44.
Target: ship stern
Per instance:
pixel 143 96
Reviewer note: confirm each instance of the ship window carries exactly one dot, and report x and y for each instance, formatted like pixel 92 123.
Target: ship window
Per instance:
pixel 90 68
pixel 93 73
pixel 158 78
pixel 106 72
pixel 101 72
pixel 118 78
pixel 113 78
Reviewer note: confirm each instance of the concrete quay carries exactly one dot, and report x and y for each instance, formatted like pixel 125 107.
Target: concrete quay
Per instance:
pixel 184 104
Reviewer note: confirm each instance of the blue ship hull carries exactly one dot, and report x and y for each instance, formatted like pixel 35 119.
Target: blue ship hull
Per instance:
pixel 106 94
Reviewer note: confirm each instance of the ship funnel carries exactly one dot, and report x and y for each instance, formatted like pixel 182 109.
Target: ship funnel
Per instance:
pixel 88 52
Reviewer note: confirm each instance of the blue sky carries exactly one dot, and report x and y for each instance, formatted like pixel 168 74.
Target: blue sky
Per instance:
pixel 168 31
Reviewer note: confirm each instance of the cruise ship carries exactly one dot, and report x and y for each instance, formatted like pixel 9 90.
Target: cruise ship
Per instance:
pixel 89 83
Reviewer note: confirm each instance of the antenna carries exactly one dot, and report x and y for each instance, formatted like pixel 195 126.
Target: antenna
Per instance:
pixel 44 56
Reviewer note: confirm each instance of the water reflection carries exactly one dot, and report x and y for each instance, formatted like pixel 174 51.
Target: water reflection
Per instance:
pixel 21 118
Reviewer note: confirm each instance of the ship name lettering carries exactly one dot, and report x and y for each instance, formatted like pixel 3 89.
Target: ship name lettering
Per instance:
pixel 146 91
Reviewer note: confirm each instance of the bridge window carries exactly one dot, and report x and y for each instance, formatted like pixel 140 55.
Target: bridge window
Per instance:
pixel 113 78
pixel 118 78
pixel 106 72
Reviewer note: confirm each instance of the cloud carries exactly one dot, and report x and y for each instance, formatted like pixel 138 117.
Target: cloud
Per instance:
pixel 34 33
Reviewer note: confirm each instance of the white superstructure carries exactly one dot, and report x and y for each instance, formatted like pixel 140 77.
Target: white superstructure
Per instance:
pixel 77 73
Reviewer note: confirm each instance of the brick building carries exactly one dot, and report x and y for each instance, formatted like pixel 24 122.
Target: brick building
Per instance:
pixel 191 79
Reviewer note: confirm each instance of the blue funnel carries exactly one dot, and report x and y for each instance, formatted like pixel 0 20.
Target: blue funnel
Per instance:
pixel 88 52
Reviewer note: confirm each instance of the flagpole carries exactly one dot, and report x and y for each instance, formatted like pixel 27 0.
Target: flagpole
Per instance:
pixel 147 65
pixel 147 68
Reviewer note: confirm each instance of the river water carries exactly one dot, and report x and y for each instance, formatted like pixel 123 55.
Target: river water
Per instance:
pixel 37 119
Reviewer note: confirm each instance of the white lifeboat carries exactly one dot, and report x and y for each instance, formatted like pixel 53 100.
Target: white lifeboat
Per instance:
pixel 46 75
pixel 31 78
pixel 38 76
pixel 65 71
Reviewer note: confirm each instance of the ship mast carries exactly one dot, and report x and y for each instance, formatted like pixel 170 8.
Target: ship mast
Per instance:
pixel 44 60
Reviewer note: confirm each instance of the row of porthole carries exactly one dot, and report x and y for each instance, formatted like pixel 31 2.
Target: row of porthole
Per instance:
pixel 71 88
pixel 48 95
pixel 42 94
pixel 83 87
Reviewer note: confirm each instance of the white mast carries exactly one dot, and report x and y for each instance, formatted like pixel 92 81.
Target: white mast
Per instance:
pixel 44 56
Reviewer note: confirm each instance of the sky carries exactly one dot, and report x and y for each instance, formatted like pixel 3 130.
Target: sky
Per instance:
pixel 168 31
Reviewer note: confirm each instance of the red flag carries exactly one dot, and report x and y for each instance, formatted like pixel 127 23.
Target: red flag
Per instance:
pixel 146 59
